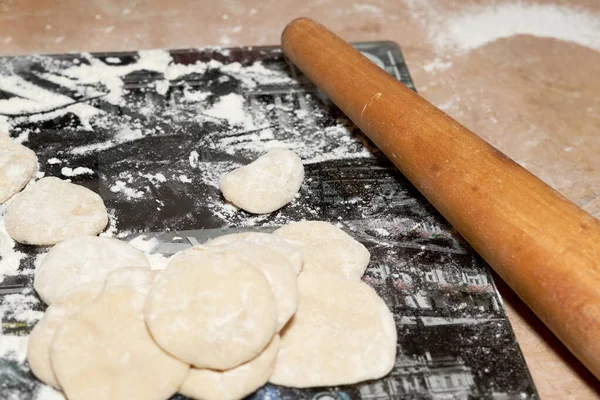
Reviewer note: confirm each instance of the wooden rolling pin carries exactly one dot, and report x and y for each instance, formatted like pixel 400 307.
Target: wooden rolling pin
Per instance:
pixel 545 247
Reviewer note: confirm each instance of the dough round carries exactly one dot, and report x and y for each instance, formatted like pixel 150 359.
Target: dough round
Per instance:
pixel 211 309
pixel 52 210
pixel 233 384
pixel 105 352
pixel 327 248
pixel 18 165
pixel 342 333
pixel 83 259
pixel 287 248
pixel 38 350
pixel 279 273
pixel 266 184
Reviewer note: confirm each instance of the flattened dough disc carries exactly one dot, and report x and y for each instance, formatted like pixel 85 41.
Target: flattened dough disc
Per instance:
pixel 233 384
pixel 105 352
pixel 18 165
pixel 327 248
pixel 342 333
pixel 211 309
pixel 52 210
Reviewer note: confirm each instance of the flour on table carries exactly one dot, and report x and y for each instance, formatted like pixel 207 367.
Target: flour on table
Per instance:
pixel 481 24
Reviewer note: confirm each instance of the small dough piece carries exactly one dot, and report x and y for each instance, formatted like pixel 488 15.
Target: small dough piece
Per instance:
pixel 18 165
pixel 327 248
pixel 266 184
pixel 38 350
pixel 52 210
pixel 233 384
pixel 287 248
pixel 343 333
pixel 279 273
pixel 211 309
pixel 105 352
pixel 83 259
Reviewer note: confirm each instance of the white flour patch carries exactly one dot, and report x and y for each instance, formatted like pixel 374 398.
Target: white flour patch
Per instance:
pixel 54 160
pixel 46 392
pixel 66 171
pixel 230 108
pixel 484 24
pixel 13 347
pixel 143 244
pixel 193 158
pixel 20 307
pixel 110 75
pixel 210 172
pixel 184 179
pixel 130 193
pixel 124 135
pixel 154 178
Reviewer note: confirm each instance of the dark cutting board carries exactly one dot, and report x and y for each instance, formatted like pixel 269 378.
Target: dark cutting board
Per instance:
pixel 454 338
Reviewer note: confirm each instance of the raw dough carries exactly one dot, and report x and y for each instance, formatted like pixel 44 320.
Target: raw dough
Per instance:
pixel 52 210
pixel 38 350
pixel 279 273
pixel 211 309
pixel 342 333
pixel 83 259
pixel 233 384
pixel 266 184
pixel 18 165
pixel 287 248
pixel 105 352
pixel 328 248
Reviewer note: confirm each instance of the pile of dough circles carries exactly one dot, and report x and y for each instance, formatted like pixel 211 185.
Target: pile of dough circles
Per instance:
pixel 219 322
pixel 265 185
pixel 18 165
pixel 52 210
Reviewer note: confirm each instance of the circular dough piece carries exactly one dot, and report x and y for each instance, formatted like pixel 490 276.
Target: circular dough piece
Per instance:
pixel 327 248
pixel 211 309
pixel 18 165
pixel 105 352
pixel 342 333
pixel 279 273
pixel 52 210
pixel 38 350
pixel 83 259
pixel 287 248
pixel 233 384
pixel 266 184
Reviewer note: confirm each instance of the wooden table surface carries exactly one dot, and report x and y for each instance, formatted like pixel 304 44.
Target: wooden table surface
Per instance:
pixel 534 95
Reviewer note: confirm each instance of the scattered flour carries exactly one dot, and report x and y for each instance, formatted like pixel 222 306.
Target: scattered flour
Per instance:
pixel 143 244
pixel 54 160
pixel 110 75
pixel 66 171
pixel 155 179
pixel 124 135
pixel 20 307
pixel 230 108
pixel 193 158
pixel 482 24
pixel 121 187
pixel 13 347
pixel 46 392
pixel 184 179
